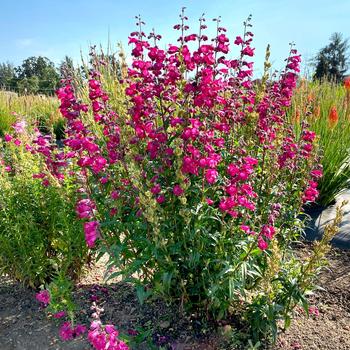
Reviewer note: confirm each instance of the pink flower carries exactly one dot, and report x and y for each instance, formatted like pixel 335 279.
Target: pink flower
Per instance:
pixel 156 189
pixel 59 314
pixel 262 244
pixel 43 297
pixel 105 338
pixel 311 193
pixel 104 180
pixel 177 190
pixel 84 208
pixel 238 40
pixel 309 135
pixel 7 138
pixel 110 329
pixel 268 231
pixel 245 228
pixel 316 173
pixel 313 310
pixel 45 183
pixel 160 199
pixel 19 126
pixel 66 332
pixel 211 176
pixel 17 142
pixel 38 176
pixel 98 164
pixel 113 212
pixel 115 195
pixel 79 329
pixel 209 201
pixel 232 170
pixel 248 51
pixel 250 160
pixel 91 232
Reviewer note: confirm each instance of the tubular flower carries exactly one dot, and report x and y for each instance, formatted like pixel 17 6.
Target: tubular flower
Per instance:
pixel 347 83
pixel 333 116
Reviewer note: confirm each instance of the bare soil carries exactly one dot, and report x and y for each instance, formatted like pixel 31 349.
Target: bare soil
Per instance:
pixel 24 326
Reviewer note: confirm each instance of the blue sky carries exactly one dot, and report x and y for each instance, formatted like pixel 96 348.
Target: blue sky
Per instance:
pixel 57 28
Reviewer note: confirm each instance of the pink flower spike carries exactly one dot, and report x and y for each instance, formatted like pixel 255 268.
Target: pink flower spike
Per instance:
pixel 91 232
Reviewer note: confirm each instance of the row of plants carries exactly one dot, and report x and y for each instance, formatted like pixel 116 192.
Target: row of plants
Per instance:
pixel 187 174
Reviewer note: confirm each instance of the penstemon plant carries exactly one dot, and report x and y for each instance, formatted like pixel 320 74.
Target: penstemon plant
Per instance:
pixel 194 184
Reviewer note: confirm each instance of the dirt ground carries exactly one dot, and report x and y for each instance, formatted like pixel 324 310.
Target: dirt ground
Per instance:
pixel 24 326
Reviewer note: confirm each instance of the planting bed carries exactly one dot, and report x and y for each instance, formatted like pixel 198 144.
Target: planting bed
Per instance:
pixel 23 326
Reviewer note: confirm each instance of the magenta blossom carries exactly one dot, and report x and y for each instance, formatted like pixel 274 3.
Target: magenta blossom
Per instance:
pixel 7 138
pixel 59 314
pixel 43 296
pixel 20 126
pixel 262 244
pixel 211 176
pixel 85 208
pixel 177 190
pixel 91 232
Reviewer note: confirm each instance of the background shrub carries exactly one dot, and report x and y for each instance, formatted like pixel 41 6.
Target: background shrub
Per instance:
pixel 39 233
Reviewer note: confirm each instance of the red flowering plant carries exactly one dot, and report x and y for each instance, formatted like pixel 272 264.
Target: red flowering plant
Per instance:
pixel 194 189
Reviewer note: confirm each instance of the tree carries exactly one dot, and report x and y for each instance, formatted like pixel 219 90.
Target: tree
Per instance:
pixel 28 85
pixel 332 60
pixel 67 69
pixel 43 69
pixel 7 76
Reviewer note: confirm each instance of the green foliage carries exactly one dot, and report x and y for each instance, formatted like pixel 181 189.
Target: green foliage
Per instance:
pixel 332 61
pixel 61 288
pixel 28 86
pixel 313 102
pixel 39 235
pixel 38 73
pixel 7 75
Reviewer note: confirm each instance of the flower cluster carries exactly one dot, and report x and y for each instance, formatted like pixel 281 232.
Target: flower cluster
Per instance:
pixel 103 337
pixel 198 173
pixel 43 297
pixel 67 332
